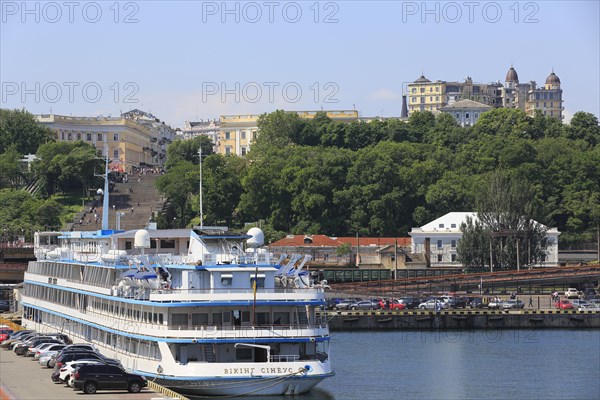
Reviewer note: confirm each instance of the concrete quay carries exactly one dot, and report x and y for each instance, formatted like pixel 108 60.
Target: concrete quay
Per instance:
pixel 21 378
pixel 461 320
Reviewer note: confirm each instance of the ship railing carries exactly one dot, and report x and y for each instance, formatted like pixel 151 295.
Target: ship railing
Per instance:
pixel 285 358
pixel 235 290
pixel 217 330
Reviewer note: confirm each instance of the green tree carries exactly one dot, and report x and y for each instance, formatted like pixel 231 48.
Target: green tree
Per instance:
pixel 11 170
pixel 187 150
pixel 584 126
pixel 19 128
pixel 177 185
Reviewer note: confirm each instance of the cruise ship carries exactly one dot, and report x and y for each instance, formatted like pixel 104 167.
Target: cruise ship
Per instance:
pixel 201 311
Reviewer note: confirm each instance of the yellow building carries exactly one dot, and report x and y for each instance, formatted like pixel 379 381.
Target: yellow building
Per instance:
pixel 424 95
pixel 237 132
pixel 134 140
pixel 547 99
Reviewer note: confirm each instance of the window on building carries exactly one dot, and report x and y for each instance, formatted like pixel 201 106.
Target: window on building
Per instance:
pixel 467 115
pixel 441 225
pixel 439 244
pixel 452 225
pixel 70 136
pixel 227 150
pixel 99 137
pixel 115 137
pixel 116 153
pixel 453 257
pixel 414 90
pixel 227 135
pixel 253 134
pixel 243 151
pixel 437 88
pixel 551 113
pixel 437 98
pixel 244 135
pixel 422 90
pixel 78 136
pixel 62 136
pixel 88 137
pixel 453 243
pixel 422 99
pixel 439 258
pixel 167 243
pixel 430 89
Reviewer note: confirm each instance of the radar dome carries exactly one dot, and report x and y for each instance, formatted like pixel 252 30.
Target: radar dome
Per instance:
pixel 142 239
pixel 257 239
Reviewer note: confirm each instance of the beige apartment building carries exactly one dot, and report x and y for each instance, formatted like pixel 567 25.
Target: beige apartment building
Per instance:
pixel 135 139
pixel 425 95
pixel 236 132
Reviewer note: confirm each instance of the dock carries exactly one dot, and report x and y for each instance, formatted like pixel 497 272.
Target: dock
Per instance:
pixel 461 320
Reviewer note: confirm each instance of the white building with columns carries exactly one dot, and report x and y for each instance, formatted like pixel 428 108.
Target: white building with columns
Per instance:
pixel 443 235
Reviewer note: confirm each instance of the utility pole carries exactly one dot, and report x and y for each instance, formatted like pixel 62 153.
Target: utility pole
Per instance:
pixel 396 260
pixel 200 183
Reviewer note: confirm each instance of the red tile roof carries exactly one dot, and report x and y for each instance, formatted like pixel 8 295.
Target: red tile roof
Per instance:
pixel 368 241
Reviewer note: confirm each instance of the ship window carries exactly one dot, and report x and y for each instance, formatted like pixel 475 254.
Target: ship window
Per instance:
pixel 262 318
pixel 281 318
pixel 167 244
pixel 160 318
pixel 217 319
pixel 128 245
pixel 179 319
pixel 226 279
pixel 153 244
pixel 243 354
pixel 200 319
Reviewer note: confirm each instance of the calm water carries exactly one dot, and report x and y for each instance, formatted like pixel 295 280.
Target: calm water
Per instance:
pixel 520 364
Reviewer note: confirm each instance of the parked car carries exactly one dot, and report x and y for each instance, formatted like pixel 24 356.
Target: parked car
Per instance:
pixel 91 378
pixel 457 302
pixel 364 305
pixel 65 371
pixel 36 345
pixel 23 348
pixel 563 304
pixel 513 304
pixel 346 303
pixel 15 337
pixel 47 352
pixel 589 293
pixel 495 304
pixel 331 303
pixel 475 302
pixel 65 358
pixel 410 301
pixel 572 293
pixel 391 304
pixel 431 304
pixel 578 303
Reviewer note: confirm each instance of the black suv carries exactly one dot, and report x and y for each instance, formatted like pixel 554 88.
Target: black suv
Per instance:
pixel 90 378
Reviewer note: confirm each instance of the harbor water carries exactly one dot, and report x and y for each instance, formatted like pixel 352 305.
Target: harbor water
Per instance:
pixel 493 364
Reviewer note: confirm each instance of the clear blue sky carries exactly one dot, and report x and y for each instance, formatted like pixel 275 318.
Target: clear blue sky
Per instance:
pixel 175 58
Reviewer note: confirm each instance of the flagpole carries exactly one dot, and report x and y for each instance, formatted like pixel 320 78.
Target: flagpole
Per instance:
pixel 254 285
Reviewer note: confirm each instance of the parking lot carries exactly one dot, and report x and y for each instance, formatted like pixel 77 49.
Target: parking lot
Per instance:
pixel 23 379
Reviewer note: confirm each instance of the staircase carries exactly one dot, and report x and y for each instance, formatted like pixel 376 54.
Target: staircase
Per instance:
pixel 136 199
pixel 209 354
